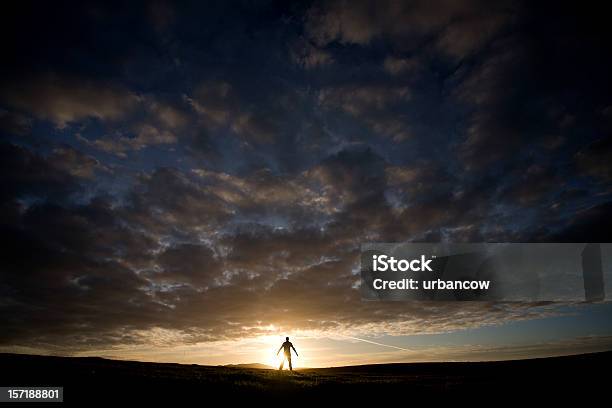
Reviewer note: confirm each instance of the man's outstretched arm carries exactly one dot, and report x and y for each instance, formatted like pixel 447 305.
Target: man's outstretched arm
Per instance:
pixel 281 347
pixel 294 350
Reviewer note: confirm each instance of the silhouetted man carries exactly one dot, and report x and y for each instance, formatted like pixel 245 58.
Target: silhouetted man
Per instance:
pixel 287 346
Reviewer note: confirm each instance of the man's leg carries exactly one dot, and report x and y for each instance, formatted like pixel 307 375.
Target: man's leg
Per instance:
pixel 290 366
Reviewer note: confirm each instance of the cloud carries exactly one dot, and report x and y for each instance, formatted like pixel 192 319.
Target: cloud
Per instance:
pixel 308 56
pixel 467 35
pixel 168 200
pixel 589 224
pixel 213 101
pixel 397 66
pixel 156 123
pixel 145 136
pixel 30 175
pixel 255 182
pixel 75 163
pixel 192 254
pixel 374 105
pixel 166 114
pixel 161 14
pixel 264 192
pixel 532 185
pixel 255 127
pixel 64 100
pixel 358 99
pixel 191 264
pixel 14 123
pixel 218 105
pixel 390 126
pixel 593 160
pixel 254 118
pixel 397 175
pixel 461 26
pixel 499 120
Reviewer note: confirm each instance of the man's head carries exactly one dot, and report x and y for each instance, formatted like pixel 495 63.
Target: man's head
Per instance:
pixel 287 338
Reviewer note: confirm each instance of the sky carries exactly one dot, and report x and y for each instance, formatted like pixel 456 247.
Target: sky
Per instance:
pixel 192 183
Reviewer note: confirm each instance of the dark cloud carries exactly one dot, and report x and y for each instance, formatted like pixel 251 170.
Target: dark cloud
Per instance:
pixel 190 264
pixel 214 101
pixel 398 65
pixel 458 27
pixel 588 225
pixel 594 160
pixel 144 135
pixel 14 123
pixel 124 269
pixel 377 106
pixel 209 171
pixel 27 175
pixel 308 55
pixel 532 184
pixel 75 163
pixel 65 101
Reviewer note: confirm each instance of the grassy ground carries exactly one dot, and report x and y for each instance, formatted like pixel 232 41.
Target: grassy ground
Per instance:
pixel 94 379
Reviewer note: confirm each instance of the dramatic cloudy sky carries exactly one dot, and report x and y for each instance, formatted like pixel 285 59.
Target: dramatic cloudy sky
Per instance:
pixel 190 183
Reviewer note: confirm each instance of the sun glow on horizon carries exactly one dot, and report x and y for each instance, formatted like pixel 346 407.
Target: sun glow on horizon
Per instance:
pixel 318 350
pixel 269 356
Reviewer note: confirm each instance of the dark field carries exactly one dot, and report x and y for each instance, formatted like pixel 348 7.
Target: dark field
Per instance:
pixel 88 380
